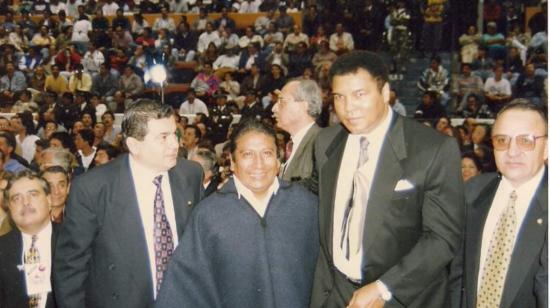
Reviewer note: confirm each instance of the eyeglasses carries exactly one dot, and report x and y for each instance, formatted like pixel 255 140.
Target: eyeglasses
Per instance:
pixel 524 142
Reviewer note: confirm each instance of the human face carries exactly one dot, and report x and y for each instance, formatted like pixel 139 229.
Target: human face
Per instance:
pixel 79 142
pixel 56 143
pixel 49 129
pixel 287 111
pixel 59 188
pixel 99 130
pixel 442 124
pixel 469 169
pixel 77 126
pixel 87 120
pixel 479 133
pixel 255 162
pixel 516 165
pixel 189 138
pixel 101 158
pixel 107 119
pixel 4 147
pixel 358 101
pixel 158 151
pixel 29 205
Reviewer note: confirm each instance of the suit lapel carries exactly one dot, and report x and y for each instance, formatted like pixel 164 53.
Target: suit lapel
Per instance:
pixel 528 244
pixel 474 232
pixel 126 215
pixel 328 181
pixel 388 172
pixel 181 197
pixel 297 160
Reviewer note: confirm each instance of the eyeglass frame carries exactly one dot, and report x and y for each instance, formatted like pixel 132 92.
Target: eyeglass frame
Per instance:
pixel 509 141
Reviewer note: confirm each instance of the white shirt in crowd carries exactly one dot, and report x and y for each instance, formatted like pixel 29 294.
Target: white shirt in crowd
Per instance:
pixel 259 205
pixel 197 106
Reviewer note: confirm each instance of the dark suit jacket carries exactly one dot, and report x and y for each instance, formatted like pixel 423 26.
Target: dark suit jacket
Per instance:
pixel 13 291
pixel 301 166
pixel 527 278
pixel 101 254
pixel 410 236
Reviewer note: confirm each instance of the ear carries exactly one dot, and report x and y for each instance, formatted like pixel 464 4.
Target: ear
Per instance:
pixel 386 92
pixel 232 166
pixel 133 145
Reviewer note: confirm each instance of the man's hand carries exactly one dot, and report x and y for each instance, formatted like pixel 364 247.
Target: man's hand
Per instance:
pixel 367 297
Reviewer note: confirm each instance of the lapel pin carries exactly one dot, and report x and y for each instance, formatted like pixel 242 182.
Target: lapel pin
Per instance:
pixel 539 221
pixel 189 204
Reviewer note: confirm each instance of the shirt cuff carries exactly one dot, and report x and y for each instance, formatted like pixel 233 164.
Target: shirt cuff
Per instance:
pixel 383 289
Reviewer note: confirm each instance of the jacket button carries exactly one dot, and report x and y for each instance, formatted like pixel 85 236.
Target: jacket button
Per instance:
pixel 111 267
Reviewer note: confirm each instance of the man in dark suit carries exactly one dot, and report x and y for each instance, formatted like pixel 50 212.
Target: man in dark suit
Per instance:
pixel 298 105
pixel 391 198
pixel 26 251
pixel 208 161
pixel 504 267
pixel 108 252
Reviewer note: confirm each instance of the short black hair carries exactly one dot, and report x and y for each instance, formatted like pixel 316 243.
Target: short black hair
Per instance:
pixel 196 129
pixel 111 151
pixel 87 134
pixel 471 155
pixel 136 118
pixel 351 62
pixel 247 126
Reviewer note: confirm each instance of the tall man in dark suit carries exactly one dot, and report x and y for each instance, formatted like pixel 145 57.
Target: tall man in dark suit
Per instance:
pixel 505 248
pixel 391 198
pixel 298 105
pixel 124 219
pixel 26 251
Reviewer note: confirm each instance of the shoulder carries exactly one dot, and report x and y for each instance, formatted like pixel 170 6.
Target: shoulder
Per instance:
pixel 103 174
pixel 328 133
pixel 476 185
pixel 188 167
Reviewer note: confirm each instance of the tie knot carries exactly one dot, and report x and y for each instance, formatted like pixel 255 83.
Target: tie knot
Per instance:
pixel 363 143
pixel 34 238
pixel 513 196
pixel 158 180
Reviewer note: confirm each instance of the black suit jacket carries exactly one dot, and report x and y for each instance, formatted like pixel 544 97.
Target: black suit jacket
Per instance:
pixel 527 278
pixel 101 253
pixel 410 236
pixel 13 291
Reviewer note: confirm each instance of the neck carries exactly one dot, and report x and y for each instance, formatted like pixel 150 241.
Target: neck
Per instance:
pixel 87 150
pixel 35 228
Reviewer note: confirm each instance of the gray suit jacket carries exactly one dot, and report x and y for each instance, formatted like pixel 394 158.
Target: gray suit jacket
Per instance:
pixel 101 253
pixel 410 236
pixel 527 278
pixel 301 166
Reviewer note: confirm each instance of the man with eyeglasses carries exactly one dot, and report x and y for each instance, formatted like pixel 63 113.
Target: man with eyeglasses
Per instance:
pixel 505 256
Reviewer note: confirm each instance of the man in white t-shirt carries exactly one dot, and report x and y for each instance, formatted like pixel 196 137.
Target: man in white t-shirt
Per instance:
pixel 193 105
pixel 498 90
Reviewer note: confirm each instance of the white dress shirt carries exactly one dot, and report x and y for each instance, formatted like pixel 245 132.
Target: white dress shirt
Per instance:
pixel 352 267
pixel 197 106
pixel 44 246
pixel 28 146
pixel 296 140
pixel 87 160
pixel 525 194
pixel 259 205
pixel 145 193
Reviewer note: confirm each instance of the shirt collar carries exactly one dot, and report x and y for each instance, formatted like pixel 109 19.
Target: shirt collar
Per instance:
pixel 142 173
pixel 249 195
pixel 526 189
pixel 297 138
pixel 44 233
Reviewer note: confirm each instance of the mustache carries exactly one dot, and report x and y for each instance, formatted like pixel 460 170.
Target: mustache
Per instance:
pixel 26 210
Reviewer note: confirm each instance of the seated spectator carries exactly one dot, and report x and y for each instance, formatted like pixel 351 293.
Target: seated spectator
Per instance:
pixel 11 83
pixel 494 42
pixel 12 162
pixel 249 6
pixel 274 81
pixel 24 103
pixel 474 108
pixel 191 139
pixel 513 65
pixel 396 104
pixel 206 82
pixel 497 90
pixel 262 22
pixel 430 108
pixel 99 133
pixel 224 21
pixel 18 39
pixel 111 132
pixel 92 59
pixel 193 105
pixel 164 21
pixel 68 59
pixel 229 40
pixel 80 80
pixel 340 41
pixel 466 84
pixel 226 63
pixel 30 60
pixel 293 39
pixel 323 56
pixel 471 166
pixel 529 85
pixel 88 119
pixel 105 153
pixel 130 83
pixel 208 161
pixel 122 39
pixel 66 111
pixel 208 36
pixel 24 130
pixel 84 142
pixel 201 23
pixel 251 55
pixel 120 102
pixel 121 20
pixel 185 42
pixel 81 29
pixel 319 36
pixel 250 37
pixel 278 56
pixel 109 8
pixel 252 108
pixel 435 79
pixel 272 36
pixel 469 43
pixel 284 22
pixel 299 60
pixel 43 39
pixel 482 65
pixel 105 83
pixel 139 24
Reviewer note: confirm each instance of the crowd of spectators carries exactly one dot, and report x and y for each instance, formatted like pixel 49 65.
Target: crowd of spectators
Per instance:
pixel 82 62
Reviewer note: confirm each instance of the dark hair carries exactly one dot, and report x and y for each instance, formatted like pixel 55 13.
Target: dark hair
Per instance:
pixel 87 134
pixel 249 126
pixel 195 128
pixel 137 116
pixel 56 169
pixel 209 159
pixel 25 174
pixel 436 58
pixel 27 121
pixel 351 62
pixel 111 151
pixel 471 155
pixel 10 139
pixel 65 139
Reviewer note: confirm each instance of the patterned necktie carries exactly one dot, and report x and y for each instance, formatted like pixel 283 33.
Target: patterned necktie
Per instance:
pixel 164 245
pixel 288 149
pixel 352 231
pixel 498 257
pixel 32 256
